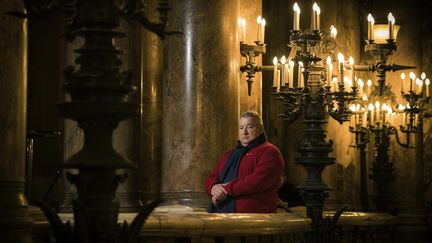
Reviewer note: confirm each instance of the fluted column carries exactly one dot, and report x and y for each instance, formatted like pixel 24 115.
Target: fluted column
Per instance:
pixel 15 224
pixel 201 102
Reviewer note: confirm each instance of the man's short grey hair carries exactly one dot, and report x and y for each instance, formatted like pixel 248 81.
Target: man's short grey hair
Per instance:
pixel 254 115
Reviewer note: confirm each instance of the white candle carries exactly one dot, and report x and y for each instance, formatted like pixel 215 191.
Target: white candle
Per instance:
pixel 275 67
pixel 296 17
pixel 333 31
pixel 242 34
pixel 371 113
pixel 391 22
pixel 277 80
pixel 315 23
pixel 412 77
pixel 351 63
pixel 341 65
pixel 259 19
pixel 369 84
pixel 371 23
pixel 263 24
pixel 361 85
pixel 427 82
pixel 329 70
pixel 364 119
pixel 283 77
pixel 291 73
pixel 402 83
pixel 377 111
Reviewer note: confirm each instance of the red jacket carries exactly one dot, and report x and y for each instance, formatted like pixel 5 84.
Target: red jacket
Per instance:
pixel 258 179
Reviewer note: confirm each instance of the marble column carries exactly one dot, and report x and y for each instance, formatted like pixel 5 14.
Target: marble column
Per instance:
pixel 15 224
pixel 151 95
pixel 201 102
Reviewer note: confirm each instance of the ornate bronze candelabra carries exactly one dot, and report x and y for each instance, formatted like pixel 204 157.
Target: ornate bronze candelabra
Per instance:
pixel 99 100
pixel 250 52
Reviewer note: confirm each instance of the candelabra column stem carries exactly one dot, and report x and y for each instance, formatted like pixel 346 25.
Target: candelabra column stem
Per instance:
pixel 364 199
pixel 382 170
pixel 420 187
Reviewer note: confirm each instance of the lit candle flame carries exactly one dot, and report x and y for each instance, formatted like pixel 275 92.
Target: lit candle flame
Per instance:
pixel 333 31
pixel 423 75
pixel 391 18
pixel 370 18
pixel 360 83
pixel 341 57
pixel 259 19
pixel 328 60
pixel 412 75
pixel 275 60
pixel 296 7
pixel 427 82
pixel 316 8
pixel 402 75
pixel 369 82
pixel 283 60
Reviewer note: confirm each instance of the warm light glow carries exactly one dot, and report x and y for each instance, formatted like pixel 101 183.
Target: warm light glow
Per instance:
pixel 351 60
pixel 412 75
pixel 384 106
pixel 427 82
pixel 328 60
pixel 377 104
pixel 291 63
pixel 423 75
pixel 403 75
pixel 369 82
pixel 371 107
pixel 275 60
pixel 365 97
pixel 341 57
pixel 389 110
pixel 391 18
pixel 352 108
pixel 283 60
pixel 381 32
pixel 316 8
pixel 259 19
pixel 333 31
pixel 419 82
pixel 360 83
pixel 401 107
pixel 296 7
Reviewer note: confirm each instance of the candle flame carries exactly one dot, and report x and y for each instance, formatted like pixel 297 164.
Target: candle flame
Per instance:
pixel 296 7
pixel 389 110
pixel 377 104
pixel 412 75
pixel 340 57
pixel 371 107
pixel 360 83
pixel 370 18
pixel 427 82
pixel 365 97
pixel 275 60
pixel 333 31
pixel 352 108
pixel 243 22
pixel 351 60
pixel 391 18
pixel 401 107
pixel 283 60
pixel 402 75
pixel 259 19
pixel 263 22
pixel 369 82
pixel 423 75
pixel 291 63
pixel 316 8
pixel 328 60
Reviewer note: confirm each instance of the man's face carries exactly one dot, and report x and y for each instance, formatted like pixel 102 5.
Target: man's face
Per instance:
pixel 248 130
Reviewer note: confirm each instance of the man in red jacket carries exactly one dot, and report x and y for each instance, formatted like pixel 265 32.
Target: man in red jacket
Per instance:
pixel 246 179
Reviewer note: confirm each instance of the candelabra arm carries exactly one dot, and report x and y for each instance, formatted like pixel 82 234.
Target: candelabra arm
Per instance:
pixel 135 10
pixel 398 140
pixel 396 67
pixel 363 68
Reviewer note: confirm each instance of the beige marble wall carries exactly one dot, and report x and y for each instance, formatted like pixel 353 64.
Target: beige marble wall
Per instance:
pixel 201 95
pixel 15 225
